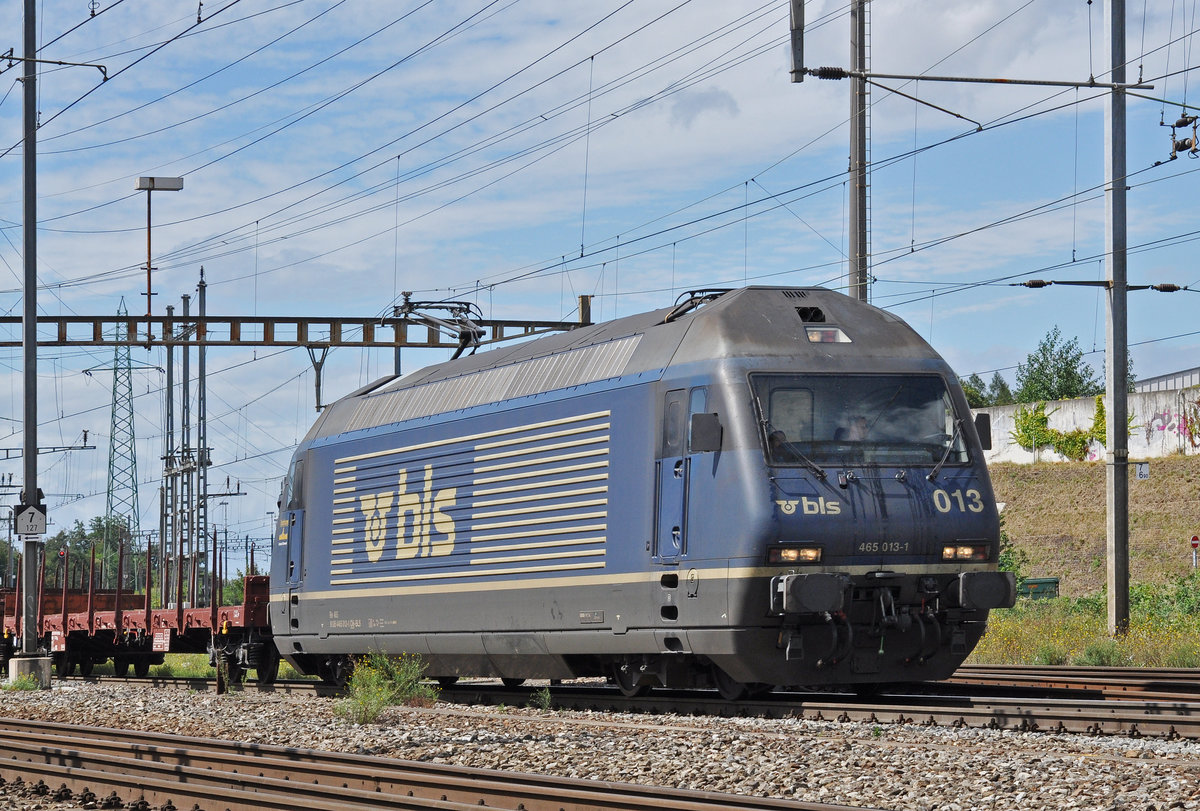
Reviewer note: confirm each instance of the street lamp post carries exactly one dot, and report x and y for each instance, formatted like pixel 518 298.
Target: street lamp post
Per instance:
pixel 153 184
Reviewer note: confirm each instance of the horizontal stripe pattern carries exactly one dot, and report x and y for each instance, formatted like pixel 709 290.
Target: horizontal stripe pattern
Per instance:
pixel 524 500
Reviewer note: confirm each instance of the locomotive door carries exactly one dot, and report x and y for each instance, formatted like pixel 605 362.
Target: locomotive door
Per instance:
pixel 291 535
pixel 671 472
pixel 292 525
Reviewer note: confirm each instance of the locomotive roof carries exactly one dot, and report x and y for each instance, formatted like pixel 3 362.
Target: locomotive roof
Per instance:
pixel 748 322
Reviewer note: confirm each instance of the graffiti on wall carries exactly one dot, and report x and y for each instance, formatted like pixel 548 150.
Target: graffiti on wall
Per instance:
pixel 1184 423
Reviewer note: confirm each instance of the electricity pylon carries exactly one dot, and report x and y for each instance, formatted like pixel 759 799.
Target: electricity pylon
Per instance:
pixel 121 506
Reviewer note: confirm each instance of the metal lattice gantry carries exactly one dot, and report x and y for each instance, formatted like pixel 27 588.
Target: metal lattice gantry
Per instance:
pixel 121 506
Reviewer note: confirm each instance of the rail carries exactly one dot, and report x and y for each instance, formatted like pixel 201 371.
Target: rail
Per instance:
pixel 104 767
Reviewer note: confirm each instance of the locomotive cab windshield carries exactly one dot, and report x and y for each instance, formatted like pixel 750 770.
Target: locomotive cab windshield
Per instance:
pixel 888 420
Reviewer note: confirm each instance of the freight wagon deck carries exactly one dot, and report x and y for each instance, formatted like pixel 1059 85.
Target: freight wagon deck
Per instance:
pixel 83 627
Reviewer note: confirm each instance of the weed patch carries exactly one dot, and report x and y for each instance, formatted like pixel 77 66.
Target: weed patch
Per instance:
pixel 1164 630
pixel 379 681
pixel 22 683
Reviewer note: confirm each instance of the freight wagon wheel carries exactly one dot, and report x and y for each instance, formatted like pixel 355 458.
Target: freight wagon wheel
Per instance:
pixel 64 664
pixel 268 665
pixel 512 682
pixel 120 667
pixel 626 679
pixel 86 663
pixel 447 681
pixel 141 667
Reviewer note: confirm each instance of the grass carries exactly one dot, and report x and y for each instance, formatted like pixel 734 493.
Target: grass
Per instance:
pixel 1075 631
pixel 1055 516
pixel 194 666
pixel 379 681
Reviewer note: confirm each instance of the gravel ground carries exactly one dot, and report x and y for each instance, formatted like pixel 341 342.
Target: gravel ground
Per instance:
pixel 906 768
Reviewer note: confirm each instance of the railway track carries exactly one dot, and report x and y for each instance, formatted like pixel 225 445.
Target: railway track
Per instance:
pixel 1168 684
pixel 1130 717
pixel 1096 701
pixel 112 768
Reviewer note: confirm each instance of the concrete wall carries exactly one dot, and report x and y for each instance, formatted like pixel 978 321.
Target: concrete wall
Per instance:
pixel 1162 423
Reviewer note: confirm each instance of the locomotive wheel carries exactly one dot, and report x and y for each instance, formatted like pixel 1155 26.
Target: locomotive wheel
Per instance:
pixel 335 670
pixel 268 666
pixel 447 681
pixel 625 678
pixel 729 689
pixel 760 689
pixel 512 682
pixel 120 667
pixel 141 667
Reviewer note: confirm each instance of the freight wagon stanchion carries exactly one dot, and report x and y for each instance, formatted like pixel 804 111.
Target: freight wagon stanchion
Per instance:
pixel 66 559
pixel 18 613
pixel 148 624
pixel 39 615
pixel 118 615
pixel 91 598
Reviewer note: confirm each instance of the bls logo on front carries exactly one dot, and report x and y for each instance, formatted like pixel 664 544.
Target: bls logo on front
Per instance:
pixel 810 506
pixel 416 520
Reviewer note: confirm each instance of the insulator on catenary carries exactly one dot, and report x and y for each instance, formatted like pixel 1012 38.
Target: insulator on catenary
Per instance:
pixel 829 73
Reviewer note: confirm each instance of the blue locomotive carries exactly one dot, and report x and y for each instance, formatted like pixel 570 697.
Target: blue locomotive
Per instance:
pixel 754 488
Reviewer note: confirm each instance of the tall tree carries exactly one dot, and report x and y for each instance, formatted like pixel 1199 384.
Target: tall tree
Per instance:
pixel 998 392
pixel 1056 370
pixel 976 391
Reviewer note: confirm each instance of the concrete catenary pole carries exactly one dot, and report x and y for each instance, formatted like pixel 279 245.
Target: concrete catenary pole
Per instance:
pixel 1116 349
pixel 33 543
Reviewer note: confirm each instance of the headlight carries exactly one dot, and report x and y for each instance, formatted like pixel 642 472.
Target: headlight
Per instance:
pixel 966 552
pixel 826 335
pixel 794 554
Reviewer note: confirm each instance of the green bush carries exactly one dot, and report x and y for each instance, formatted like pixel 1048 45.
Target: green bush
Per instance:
pixel 1103 653
pixel 541 699
pixel 1050 654
pixel 1185 655
pixel 1012 557
pixel 26 682
pixel 379 681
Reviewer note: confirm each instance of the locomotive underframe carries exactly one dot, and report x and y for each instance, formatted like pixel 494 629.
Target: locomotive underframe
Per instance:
pixel 883 626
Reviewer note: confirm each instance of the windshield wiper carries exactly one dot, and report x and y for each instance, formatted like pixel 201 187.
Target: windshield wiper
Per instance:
pixel 804 460
pixel 791 448
pixel 949 447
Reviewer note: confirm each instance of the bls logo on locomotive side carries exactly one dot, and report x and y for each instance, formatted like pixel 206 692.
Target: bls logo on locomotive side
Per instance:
pixel 810 506
pixel 429 533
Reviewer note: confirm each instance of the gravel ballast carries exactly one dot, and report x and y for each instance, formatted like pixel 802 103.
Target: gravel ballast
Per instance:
pixel 908 768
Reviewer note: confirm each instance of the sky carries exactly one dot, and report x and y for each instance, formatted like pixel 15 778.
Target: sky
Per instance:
pixel 519 153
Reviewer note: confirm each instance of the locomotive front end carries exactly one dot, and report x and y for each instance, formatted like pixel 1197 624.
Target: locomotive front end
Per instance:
pixel 885 534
